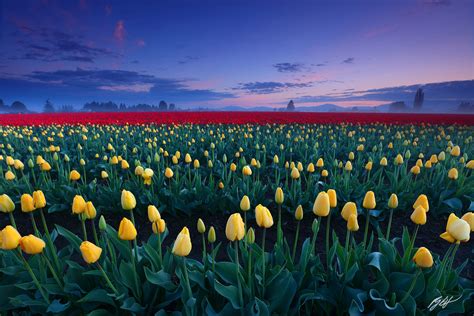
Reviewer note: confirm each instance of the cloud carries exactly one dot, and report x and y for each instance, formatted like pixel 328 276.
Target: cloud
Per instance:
pixel 188 59
pixel 141 43
pixel 437 2
pixel 119 32
pixel 349 60
pixel 49 45
pixel 289 67
pixel 104 84
pixel 268 87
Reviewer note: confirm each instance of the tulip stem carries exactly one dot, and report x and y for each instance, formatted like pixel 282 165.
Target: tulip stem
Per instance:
pixel 50 241
pixel 412 286
pixel 134 266
pixel 237 272
pixel 389 224
pixel 12 219
pixel 451 261
pixel 296 241
pixel 186 277
pixel 279 231
pixel 109 283
pixel 328 226
pixel 94 232
pixel 346 248
pixel 160 256
pixel 135 239
pixel 204 252
pixel 407 255
pixel 263 262
pixel 32 217
pixel 366 230
pixel 33 276
pixel 249 272
pixel 50 266
pixel 84 231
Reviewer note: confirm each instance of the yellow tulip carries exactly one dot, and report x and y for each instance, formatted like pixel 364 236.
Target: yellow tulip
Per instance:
pixel 263 216
pixel 350 208
pixel 423 258
pixel 441 156
pixel 419 216
pixel 332 197
pixel 182 245
pixel 321 206
pixel 352 223
pixel 324 173
pixel 153 213
pixel 78 205
pixel 310 167
pixel 45 166
pixel 127 230
pixel 456 151
pixel 159 226
pixel 457 230
pixel 398 160
pixel 235 228
pixel 246 171
pixel 9 176
pixel 470 164
pixel 196 164
pixel 124 165
pixel 415 170
pixel 90 252
pixel 211 236
pixel 423 201
pixel 369 200
pixel 187 158
pixel 104 174
pixel 31 244
pixel 27 203
pixel 139 170
pixel 279 196
pixel 6 204
pixel 74 175
pixel 90 211
pixel 245 203
pixel 168 173
pixel 38 199
pixel 368 166
pixel 348 166
pixel 320 163
pixel 453 174
pixel 128 200
pixel 9 238
pixel 393 201
pixel 469 218
pixel 299 213
pixel 383 162
pixel 18 165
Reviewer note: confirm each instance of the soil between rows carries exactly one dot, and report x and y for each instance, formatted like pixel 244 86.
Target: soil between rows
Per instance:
pixel 428 235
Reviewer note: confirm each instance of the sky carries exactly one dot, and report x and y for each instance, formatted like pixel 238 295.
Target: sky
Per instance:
pixel 234 53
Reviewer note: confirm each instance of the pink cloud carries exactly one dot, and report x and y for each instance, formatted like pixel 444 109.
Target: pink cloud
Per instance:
pixel 379 31
pixel 141 43
pixel 119 32
pixel 145 87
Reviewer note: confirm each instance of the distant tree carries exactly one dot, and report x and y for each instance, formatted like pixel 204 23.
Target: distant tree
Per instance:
pixel 163 106
pixel 398 106
pixel 122 107
pixel 466 106
pixel 67 108
pixel 419 98
pixel 95 106
pixel 2 106
pixel 18 107
pixel 48 107
pixel 172 107
pixel 290 106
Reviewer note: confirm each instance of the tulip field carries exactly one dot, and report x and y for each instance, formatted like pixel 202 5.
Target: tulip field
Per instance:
pixel 252 214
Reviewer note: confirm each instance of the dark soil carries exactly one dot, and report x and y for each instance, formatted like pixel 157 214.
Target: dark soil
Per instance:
pixel 428 235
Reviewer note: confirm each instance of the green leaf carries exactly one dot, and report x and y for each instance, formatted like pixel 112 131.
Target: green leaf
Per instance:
pixel 70 236
pixel 98 296
pixel 160 278
pixel 57 307
pixel 454 203
pixel 230 292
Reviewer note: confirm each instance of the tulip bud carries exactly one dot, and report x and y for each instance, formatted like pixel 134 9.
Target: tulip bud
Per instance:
pixel 383 162
pixel 211 236
pixel 332 197
pixel 32 245
pixel 246 171
pixel 9 176
pixel 104 174
pixel 419 216
pixel 352 223
pixel 299 213
pixel 128 200
pixel 235 228
pixel 78 205
pixel 279 196
pixel 233 167
pixel 245 203
pixel 324 173
pixel 250 236
pixel 90 211
pixel 393 201
pixel 263 216
pixel 90 252
pixel 315 226
pixel 310 167
pixel 27 203
pixel 159 226
pixel 102 223
pixel 423 258
pixel 182 245
pixel 453 174
pixel 321 206
pixel 9 238
pixel 369 200
pixel 153 213
pixel 30 163
pixel 74 175
pixel 200 226
pixel 348 166
pixel 469 218
pixel 350 208
pixel 423 201
pixel 127 230
pixel 320 163
pixel 168 173
pixel 6 204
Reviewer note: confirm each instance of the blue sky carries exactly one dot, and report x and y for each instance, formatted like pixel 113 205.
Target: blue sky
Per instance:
pixel 221 53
